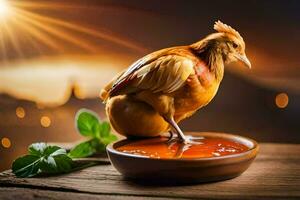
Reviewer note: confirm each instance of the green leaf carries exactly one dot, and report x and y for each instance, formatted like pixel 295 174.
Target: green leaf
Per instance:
pixel 96 130
pixel 83 149
pixel 37 149
pixel 64 163
pixel 109 139
pixel 100 147
pixel 26 166
pixel 87 122
pixel 42 159
pixel 104 129
pixel 53 159
pixel 56 164
pixel 53 151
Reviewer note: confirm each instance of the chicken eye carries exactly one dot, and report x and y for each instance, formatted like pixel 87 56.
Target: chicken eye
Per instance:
pixel 234 45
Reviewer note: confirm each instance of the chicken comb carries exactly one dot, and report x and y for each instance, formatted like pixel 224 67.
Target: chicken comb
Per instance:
pixel 224 28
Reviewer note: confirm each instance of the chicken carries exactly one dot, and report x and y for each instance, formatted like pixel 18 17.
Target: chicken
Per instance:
pixel 164 87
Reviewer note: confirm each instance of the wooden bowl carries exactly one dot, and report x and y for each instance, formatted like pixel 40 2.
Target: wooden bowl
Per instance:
pixel 184 170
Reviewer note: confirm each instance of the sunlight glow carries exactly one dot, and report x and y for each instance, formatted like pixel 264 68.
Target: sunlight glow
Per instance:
pixel 4 9
pixel 44 32
pixel 31 34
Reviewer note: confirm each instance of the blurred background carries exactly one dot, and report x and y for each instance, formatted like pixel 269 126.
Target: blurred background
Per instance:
pixel 56 55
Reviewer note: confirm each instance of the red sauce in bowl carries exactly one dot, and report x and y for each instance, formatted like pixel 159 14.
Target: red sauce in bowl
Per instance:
pixel 163 148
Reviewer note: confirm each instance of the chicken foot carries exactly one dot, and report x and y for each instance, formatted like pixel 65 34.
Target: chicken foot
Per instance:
pixel 174 125
pixel 180 134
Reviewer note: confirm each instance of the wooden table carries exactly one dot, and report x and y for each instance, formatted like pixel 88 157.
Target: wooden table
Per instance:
pixel 275 174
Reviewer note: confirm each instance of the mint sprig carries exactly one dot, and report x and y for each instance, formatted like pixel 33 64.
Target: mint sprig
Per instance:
pixel 88 124
pixel 42 158
pixel 45 159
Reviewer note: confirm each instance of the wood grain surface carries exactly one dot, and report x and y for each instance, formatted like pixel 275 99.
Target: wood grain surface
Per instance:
pixel 275 174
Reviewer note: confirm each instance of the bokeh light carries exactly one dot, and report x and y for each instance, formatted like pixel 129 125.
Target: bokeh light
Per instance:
pixel 45 121
pixel 5 142
pixel 282 100
pixel 20 112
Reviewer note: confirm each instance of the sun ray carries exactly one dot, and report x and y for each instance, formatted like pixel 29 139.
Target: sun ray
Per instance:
pixel 20 18
pixel 46 5
pixel 34 43
pixel 58 32
pixel 38 34
pixel 109 37
pixel 14 40
pixel 3 46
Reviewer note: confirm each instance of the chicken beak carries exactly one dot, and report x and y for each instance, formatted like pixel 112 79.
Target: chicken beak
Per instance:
pixel 243 58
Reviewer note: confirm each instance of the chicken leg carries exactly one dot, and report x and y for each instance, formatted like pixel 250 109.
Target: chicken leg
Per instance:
pixel 184 138
pixel 175 126
pixel 165 107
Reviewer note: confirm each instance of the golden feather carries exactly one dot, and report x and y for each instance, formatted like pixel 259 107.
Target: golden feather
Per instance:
pixel 224 28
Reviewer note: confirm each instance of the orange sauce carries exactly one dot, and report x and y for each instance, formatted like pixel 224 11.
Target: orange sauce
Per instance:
pixel 163 148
